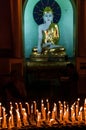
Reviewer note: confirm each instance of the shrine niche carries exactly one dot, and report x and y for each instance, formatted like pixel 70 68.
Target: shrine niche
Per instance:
pixel 47 48
pixel 65 22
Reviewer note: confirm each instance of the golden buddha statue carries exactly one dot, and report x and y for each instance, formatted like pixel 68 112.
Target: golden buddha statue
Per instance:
pixel 48 37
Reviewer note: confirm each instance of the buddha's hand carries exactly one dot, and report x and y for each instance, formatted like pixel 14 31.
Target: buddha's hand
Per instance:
pixel 39 49
pixel 47 44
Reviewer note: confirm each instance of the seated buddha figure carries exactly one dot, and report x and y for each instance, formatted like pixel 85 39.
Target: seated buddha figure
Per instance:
pixel 48 36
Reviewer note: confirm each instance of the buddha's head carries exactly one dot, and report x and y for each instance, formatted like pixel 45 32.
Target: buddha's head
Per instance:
pixel 48 15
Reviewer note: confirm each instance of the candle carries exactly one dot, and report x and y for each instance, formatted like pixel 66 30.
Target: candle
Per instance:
pixel 64 116
pixel 11 106
pixel 60 105
pixel 3 108
pixel 0 113
pixel 48 116
pixel 73 118
pixel 11 119
pixel 55 110
pixel 80 114
pixel 37 111
pixel 72 114
pixel 53 114
pixel 43 116
pixel 61 116
pixel 4 121
pixel 59 108
pixel 67 113
pixel 47 104
pixel 34 103
pixel 28 108
pixel 61 112
pixel 20 104
pixel 0 109
pixel 16 104
pixel 38 119
pixel 76 111
pixel 42 110
pixel 24 116
pixel 18 121
pixel 64 106
pixel 45 113
pixel 85 110
pixel 77 107
pixel 0 122
pixel 31 108
pixel 9 122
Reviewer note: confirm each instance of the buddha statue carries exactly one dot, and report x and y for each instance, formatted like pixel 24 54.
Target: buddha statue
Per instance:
pixel 48 37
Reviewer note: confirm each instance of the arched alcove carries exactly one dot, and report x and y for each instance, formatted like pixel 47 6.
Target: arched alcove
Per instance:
pixel 67 25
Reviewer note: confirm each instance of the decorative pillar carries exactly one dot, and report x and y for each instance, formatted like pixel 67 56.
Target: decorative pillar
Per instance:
pixel 16 20
pixel 81 28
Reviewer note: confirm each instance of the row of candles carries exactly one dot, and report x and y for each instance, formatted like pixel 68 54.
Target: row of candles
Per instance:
pixel 21 115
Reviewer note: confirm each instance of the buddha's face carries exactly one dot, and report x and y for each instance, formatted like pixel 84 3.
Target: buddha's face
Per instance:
pixel 48 17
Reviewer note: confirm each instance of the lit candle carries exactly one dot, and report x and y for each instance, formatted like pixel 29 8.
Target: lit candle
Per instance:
pixel 59 108
pixel 0 109
pixel 0 113
pixel 19 124
pixel 61 112
pixel 64 116
pixel 37 111
pixel 55 110
pixel 3 108
pixel 60 104
pixel 42 110
pixel 16 104
pixel 0 122
pixel 77 108
pixel 11 107
pixel 11 119
pixel 53 114
pixel 45 113
pixel 4 121
pixel 31 108
pixel 38 119
pixel 24 114
pixel 28 108
pixel 76 111
pixel 80 114
pixel 72 114
pixel 64 106
pixel 48 116
pixel 61 115
pixel 85 110
pixel 47 104
pixel 34 103
pixel 67 113
pixel 9 122
pixel 73 118
pixel 20 104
